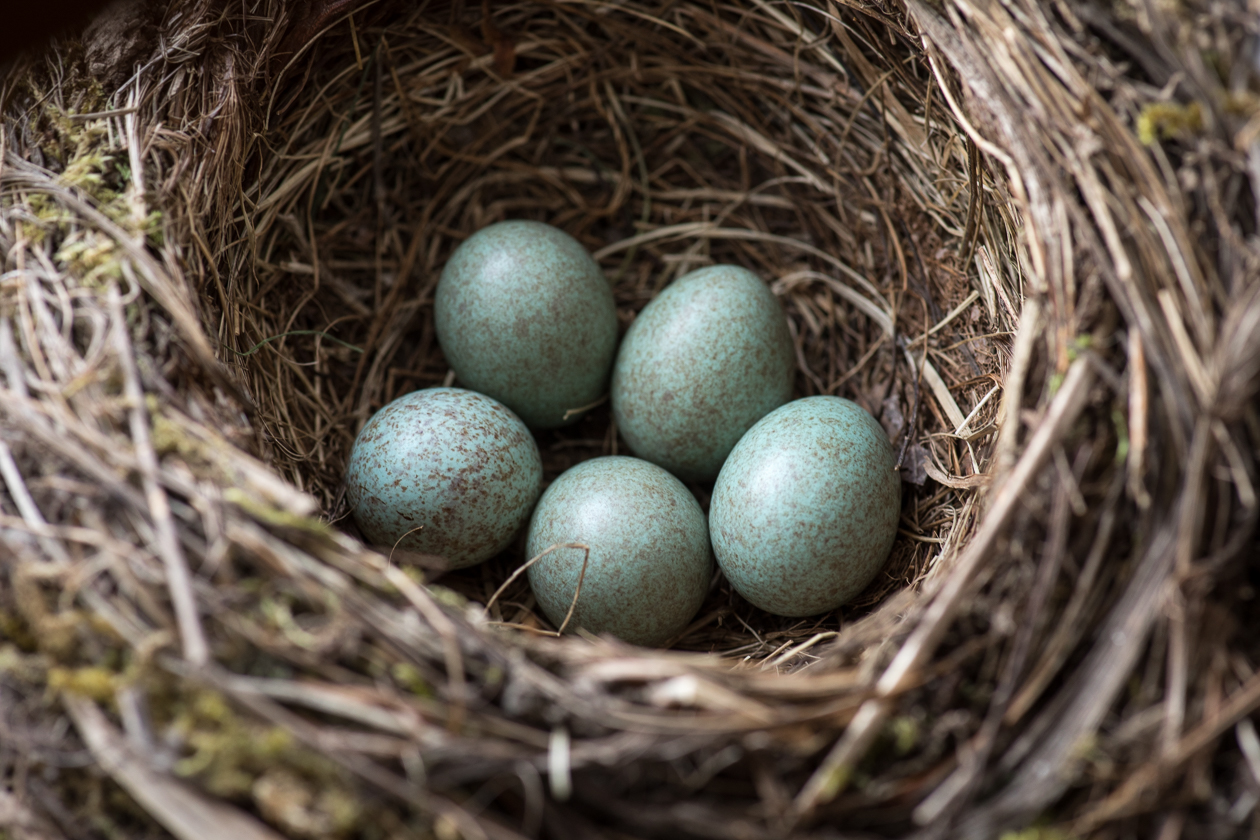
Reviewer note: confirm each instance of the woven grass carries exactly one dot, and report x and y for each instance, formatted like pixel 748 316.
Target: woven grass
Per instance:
pixel 1024 238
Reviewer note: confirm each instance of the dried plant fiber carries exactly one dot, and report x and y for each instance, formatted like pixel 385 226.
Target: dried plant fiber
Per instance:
pixel 1022 235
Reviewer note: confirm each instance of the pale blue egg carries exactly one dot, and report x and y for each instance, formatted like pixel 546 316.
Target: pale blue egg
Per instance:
pixel 525 315
pixel 444 471
pixel 650 564
pixel 805 510
pixel 703 362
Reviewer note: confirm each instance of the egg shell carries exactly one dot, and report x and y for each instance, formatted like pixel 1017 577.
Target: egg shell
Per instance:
pixel 525 315
pixel 805 510
pixel 703 362
pixel 454 463
pixel 650 563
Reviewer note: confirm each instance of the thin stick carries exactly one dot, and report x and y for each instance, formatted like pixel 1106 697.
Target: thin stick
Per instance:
pixel 972 234
pixel 914 411
pixel 583 409
pixel 1138 406
pixel 950 316
pixel 576 593
pixel 525 567
pixel 394 548
pixel 178 579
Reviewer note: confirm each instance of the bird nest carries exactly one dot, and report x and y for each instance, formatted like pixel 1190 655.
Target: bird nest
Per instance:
pixel 1023 237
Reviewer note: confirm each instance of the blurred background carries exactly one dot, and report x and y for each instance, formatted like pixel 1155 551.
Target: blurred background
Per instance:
pixel 27 25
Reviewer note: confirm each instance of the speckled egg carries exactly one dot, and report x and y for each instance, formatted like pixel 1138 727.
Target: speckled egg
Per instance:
pixel 805 511
pixel 456 465
pixel 710 356
pixel 525 315
pixel 650 563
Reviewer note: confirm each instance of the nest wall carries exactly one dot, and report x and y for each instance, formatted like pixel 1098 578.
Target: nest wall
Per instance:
pixel 1023 238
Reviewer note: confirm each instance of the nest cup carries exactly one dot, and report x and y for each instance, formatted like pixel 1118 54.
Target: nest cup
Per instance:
pixel 663 145
pixel 1023 238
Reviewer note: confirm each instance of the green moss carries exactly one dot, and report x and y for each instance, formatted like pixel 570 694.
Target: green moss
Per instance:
pixel 169 438
pixel 1122 435
pixel 58 634
pixel 1163 120
pixel 93 168
pixel 837 780
pixel 1079 345
pixel 16 630
pixel 100 684
pixel 1037 833
pixel 448 597
pixel 91 256
pixel 342 808
pixel 1055 383
pixel 408 677
pixel 278 611
pixel 227 753
pixel 210 705
pixel 905 733
pixel 90 170
pixel 44 216
pixel 29 668
pixel 265 513
pixel 154 232
pixel 304 810
pixel 1242 104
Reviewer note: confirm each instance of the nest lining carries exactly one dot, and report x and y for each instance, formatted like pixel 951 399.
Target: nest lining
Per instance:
pixel 587 118
pixel 224 656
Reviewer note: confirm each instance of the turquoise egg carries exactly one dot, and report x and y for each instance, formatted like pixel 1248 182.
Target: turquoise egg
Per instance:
pixel 805 511
pixel 525 315
pixel 650 564
pixel 710 356
pixel 444 471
